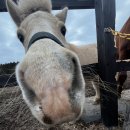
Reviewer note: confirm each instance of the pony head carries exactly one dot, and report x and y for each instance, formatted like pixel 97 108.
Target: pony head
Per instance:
pixel 49 74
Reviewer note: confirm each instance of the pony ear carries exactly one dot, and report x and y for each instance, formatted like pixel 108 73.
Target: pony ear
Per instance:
pixel 14 11
pixel 62 15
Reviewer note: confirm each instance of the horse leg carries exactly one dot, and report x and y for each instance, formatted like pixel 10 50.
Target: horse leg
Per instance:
pixel 97 90
pixel 121 78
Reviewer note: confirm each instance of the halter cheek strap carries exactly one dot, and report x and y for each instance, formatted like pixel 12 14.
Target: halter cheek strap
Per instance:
pixel 42 35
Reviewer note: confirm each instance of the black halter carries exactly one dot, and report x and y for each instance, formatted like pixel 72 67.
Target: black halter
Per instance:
pixel 42 35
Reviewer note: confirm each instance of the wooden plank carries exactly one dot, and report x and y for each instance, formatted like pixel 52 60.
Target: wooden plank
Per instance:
pixel 92 112
pixel 74 4
pixel 2 6
pixel 123 65
pixel 105 17
pixel 59 4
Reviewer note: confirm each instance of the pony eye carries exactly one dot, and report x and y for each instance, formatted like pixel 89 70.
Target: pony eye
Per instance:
pixel 20 37
pixel 63 30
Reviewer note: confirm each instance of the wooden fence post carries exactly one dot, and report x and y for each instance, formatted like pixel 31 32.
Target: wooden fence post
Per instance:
pixel 105 17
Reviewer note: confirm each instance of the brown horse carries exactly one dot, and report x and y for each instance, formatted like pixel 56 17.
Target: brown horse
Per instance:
pixel 123 52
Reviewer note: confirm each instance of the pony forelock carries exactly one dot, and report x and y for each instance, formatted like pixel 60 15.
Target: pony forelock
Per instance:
pixel 28 7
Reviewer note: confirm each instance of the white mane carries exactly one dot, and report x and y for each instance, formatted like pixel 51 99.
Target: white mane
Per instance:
pixel 27 7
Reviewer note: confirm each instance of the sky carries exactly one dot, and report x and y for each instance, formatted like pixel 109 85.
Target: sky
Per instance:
pixel 80 26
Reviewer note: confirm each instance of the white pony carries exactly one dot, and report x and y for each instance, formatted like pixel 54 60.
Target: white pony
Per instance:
pixel 88 55
pixel 49 75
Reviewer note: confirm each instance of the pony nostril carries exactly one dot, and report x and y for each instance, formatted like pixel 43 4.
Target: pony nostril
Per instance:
pixel 40 107
pixel 74 60
pixel 47 120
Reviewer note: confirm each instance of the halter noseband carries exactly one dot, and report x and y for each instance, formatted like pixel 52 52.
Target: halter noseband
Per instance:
pixel 42 35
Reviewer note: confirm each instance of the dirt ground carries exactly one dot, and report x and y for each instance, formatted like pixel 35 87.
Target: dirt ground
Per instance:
pixel 15 115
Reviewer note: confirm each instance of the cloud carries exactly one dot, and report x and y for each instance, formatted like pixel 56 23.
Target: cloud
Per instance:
pixel 127 2
pixel 79 26
pixel 11 49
